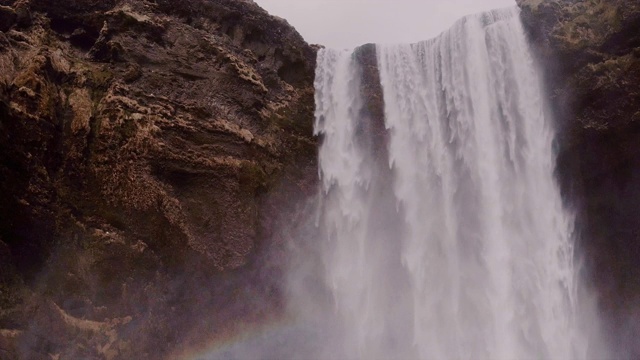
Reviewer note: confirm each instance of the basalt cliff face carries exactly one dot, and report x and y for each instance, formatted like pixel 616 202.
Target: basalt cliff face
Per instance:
pixel 145 150
pixel 590 51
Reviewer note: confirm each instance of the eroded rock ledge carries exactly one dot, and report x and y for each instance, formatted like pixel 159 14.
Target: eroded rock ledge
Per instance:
pixel 591 54
pixel 144 149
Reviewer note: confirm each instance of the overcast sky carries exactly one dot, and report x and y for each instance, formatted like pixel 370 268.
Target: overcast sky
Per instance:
pixel 348 23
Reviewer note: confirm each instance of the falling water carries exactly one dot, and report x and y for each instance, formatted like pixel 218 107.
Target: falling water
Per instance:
pixel 452 242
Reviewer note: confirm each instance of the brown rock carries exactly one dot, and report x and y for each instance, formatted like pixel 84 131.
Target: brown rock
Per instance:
pixel 133 73
pixel 147 158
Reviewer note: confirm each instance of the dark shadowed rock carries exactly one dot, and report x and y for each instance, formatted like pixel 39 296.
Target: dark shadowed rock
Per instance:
pixel 23 13
pixel 8 18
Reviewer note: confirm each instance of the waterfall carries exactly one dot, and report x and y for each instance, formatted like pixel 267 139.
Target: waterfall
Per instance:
pixel 452 241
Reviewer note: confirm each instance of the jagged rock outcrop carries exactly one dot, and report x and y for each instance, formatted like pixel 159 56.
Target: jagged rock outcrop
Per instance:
pixel 145 150
pixel 591 54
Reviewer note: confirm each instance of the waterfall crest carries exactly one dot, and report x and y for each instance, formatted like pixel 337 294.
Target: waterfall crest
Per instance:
pixel 452 243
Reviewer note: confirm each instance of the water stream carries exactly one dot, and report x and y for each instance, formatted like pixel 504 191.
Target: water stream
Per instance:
pixel 452 242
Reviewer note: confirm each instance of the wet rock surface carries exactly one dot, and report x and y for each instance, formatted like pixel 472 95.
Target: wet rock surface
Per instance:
pixel 591 54
pixel 145 150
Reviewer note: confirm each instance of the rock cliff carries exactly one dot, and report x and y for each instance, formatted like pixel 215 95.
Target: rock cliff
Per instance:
pixel 144 148
pixel 590 51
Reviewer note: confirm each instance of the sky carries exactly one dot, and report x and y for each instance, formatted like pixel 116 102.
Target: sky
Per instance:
pixel 349 23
